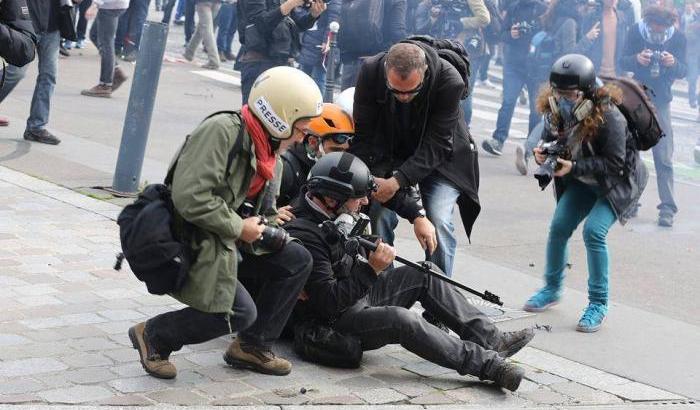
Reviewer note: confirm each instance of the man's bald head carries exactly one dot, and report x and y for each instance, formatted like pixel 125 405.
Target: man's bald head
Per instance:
pixel 405 58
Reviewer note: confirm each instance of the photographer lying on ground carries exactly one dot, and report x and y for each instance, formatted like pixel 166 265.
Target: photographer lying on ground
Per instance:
pixel 601 180
pixel 365 298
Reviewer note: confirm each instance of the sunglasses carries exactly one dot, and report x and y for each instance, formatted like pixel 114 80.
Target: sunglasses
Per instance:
pixel 412 92
pixel 340 138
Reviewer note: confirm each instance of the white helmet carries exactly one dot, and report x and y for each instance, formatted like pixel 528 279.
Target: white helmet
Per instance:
pixel 281 96
pixel 346 99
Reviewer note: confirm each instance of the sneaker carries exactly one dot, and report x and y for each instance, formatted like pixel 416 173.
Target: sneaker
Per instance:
pixel 258 359
pixel 521 160
pixel 80 44
pixel 665 220
pixel 230 56
pixel 592 318
pixel 119 78
pixel 488 84
pixel 493 147
pixel 130 57
pixel 100 90
pixel 510 343
pixel 63 51
pixel 542 300
pixel 179 21
pixel 506 375
pixel 210 66
pixel 151 361
pixel 187 57
pixel 42 136
pixel 68 44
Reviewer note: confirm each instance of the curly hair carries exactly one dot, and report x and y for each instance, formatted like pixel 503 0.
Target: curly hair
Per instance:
pixel 660 15
pixel 603 97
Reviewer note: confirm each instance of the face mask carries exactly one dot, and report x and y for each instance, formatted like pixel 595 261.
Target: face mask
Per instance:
pixel 654 37
pixel 566 112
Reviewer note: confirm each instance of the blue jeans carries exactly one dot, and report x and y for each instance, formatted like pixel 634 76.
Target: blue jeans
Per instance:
pixel 102 34
pixel 131 26
pixel 663 161
pixel 47 52
pixel 467 103
pixel 317 72
pixel 180 13
pixel 580 202
pixel 228 22
pixel 13 75
pixel 439 197
pixel 514 78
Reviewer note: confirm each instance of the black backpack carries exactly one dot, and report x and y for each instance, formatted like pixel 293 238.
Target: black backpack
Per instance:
pixel 157 255
pixel 362 31
pixel 639 111
pixel 450 50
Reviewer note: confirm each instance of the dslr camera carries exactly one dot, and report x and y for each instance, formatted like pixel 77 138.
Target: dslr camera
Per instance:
pixel 526 28
pixel 273 239
pixel 655 65
pixel 309 3
pixel 552 150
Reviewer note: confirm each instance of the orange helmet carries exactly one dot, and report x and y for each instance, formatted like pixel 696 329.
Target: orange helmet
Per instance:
pixel 333 121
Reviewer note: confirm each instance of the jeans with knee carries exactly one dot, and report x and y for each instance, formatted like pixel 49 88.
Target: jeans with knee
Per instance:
pixel 663 161
pixel 168 332
pixel 130 26
pixel 81 27
pixel 515 77
pixel 580 202
pixel 206 11
pixel 250 72
pixel 275 281
pixel 228 22
pixel 384 317
pixel 47 53
pixel 102 33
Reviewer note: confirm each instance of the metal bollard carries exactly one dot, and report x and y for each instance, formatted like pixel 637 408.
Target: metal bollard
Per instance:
pixel 142 97
pixel 330 62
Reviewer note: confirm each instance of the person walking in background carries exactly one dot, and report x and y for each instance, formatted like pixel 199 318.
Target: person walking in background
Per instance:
pixel 102 34
pixel 204 34
pixel 690 23
pixel 227 24
pixel 314 44
pixel 129 30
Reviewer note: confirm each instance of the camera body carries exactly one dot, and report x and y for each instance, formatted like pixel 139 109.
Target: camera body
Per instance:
pixel 655 65
pixel 526 28
pixel 309 3
pixel 552 150
pixel 346 230
pixel 449 13
pixel 273 238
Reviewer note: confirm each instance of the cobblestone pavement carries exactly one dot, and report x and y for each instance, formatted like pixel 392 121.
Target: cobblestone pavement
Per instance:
pixel 64 314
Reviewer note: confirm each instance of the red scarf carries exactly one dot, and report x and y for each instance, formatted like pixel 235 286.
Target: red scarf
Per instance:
pixel 264 157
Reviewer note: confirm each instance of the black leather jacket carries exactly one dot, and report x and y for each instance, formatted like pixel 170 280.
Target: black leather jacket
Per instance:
pixel 17 39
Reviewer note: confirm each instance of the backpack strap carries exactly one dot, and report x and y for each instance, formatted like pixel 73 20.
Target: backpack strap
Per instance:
pixel 237 147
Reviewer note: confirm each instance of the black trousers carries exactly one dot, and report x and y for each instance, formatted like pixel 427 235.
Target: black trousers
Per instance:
pixel 276 280
pixel 384 317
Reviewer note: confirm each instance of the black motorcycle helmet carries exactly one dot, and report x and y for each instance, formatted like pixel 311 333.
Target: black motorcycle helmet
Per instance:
pixel 341 176
pixel 573 72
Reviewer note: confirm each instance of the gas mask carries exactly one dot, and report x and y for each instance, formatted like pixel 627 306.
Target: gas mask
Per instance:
pixel 656 38
pixel 570 112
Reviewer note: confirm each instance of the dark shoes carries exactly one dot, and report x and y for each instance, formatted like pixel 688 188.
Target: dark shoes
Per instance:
pixel 255 358
pixel 100 90
pixel 506 375
pixel 42 136
pixel 119 78
pixel 493 147
pixel 666 220
pixel 152 362
pixel 511 342
pixel 4 121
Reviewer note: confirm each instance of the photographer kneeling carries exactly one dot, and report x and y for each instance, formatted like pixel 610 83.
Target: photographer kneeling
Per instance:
pixel 222 178
pixel 601 180
pixel 365 298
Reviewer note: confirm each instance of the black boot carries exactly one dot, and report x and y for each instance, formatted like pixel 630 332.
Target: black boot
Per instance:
pixel 505 375
pixel 510 343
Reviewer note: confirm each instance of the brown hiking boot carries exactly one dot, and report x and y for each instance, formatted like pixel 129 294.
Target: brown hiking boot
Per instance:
pixel 119 78
pixel 151 361
pixel 510 343
pixel 100 90
pixel 258 359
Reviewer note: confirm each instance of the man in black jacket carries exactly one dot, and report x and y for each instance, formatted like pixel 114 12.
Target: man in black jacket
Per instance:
pixel 410 129
pixel 364 297
pixel 44 14
pixel 269 32
pixel 16 33
pixel 655 53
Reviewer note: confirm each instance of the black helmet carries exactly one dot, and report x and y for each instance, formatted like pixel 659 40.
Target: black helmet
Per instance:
pixel 573 72
pixel 341 176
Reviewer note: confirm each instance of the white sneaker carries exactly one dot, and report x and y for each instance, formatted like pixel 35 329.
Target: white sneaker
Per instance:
pixel 520 160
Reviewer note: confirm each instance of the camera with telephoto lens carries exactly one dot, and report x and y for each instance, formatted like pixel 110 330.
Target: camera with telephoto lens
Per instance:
pixel 309 3
pixel 655 65
pixel 347 230
pixel 273 239
pixel 552 150
pixel 451 11
pixel 526 28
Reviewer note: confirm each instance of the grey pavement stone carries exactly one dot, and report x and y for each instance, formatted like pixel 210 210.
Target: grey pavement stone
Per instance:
pixel 360 383
pixel 545 378
pixel 119 304
pixel 219 390
pixel 122 314
pixel 39 300
pixel 634 391
pixel 122 355
pixel 87 360
pixel 129 370
pixel 116 327
pixel 180 397
pixel 90 344
pixel 448 381
pixel 380 396
pixel 222 372
pixel 545 396
pixel 139 384
pixel 89 375
pixel 81 331
pixel 485 396
pixel 433 398
pixel 264 382
pixel 77 394
pixel 343 400
pixel 272 398
pixel 126 400
pixel 19 385
pixel 26 367
pixel 65 320
pixel 426 368
pixel 121 338
pixel 34 290
pixel 79 297
pixel 243 401
pixel 584 394
pixel 11 281
pixel 12 340
pixel 206 358
pixel 19 398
